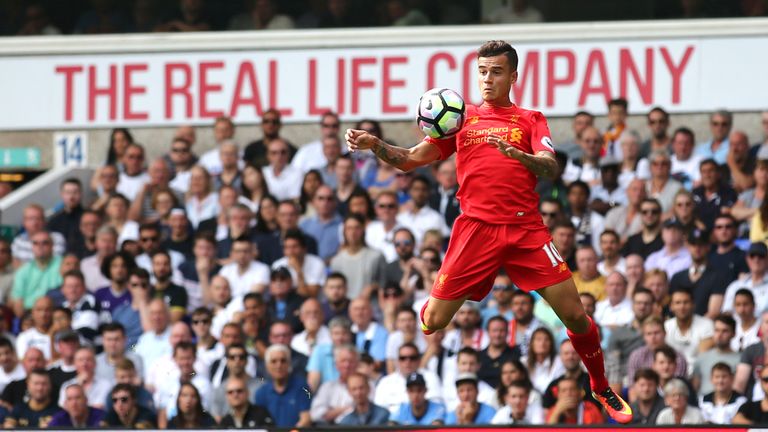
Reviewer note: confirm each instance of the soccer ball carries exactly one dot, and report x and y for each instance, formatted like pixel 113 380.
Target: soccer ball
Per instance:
pixel 441 113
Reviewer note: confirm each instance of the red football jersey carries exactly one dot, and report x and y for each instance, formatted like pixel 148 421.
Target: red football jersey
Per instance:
pixel 492 187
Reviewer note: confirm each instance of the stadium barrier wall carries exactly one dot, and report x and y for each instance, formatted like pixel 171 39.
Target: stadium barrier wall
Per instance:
pixel 43 190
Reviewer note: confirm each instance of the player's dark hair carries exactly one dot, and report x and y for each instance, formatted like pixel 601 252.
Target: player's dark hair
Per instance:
pixel 727 320
pixel 667 351
pixel 659 109
pixel 646 373
pixel 746 293
pixel 497 47
pixel 496 318
pixel 722 367
pixel 620 102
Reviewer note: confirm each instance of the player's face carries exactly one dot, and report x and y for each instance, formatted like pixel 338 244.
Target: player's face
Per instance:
pixel 495 77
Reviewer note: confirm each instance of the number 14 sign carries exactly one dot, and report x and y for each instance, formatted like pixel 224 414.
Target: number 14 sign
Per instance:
pixel 70 149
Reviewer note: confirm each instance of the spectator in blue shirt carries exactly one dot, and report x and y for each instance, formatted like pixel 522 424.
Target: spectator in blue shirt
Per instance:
pixel 419 410
pixel 469 411
pixel 287 396
pixel 365 413
pixel 325 227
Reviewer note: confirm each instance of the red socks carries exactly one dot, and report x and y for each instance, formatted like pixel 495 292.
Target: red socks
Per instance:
pixel 588 347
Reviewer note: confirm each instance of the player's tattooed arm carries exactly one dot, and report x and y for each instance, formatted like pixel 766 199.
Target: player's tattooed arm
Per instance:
pixel 395 156
pixel 404 159
pixel 542 164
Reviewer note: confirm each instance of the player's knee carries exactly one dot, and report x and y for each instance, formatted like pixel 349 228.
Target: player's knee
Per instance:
pixel 575 319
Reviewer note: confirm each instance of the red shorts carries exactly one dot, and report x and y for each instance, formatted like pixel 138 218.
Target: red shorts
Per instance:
pixel 477 250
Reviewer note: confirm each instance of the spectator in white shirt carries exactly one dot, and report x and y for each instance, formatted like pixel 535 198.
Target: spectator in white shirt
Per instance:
pixel 154 342
pixel 332 399
pixel 516 409
pixel 379 233
pixel 10 367
pixel 747 324
pixel 616 309
pixel 685 164
pixel 661 185
pixel 418 215
pixel 133 177
pixel 38 336
pixel 310 156
pixel 33 222
pixel 223 130
pixel 106 245
pixel 608 193
pixel 85 317
pixel 673 257
pixel 612 261
pixel 756 282
pixel 687 333
pixel 307 270
pixel 390 390
pixel 181 159
pixel 314 333
pixel 283 180
pixel 244 273
pixel 96 389
pixel 586 168
pixel 202 201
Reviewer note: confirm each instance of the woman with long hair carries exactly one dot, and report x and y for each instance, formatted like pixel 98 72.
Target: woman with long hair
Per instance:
pixel 162 202
pixel 360 203
pixel 253 188
pixel 312 181
pixel 201 201
pixel 119 140
pixel 189 410
pixel 266 217
pixel 542 361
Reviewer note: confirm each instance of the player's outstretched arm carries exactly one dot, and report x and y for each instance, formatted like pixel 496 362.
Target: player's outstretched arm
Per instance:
pixel 421 154
pixel 542 164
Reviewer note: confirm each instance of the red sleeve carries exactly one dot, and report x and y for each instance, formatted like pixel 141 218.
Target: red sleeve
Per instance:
pixel 541 138
pixel 447 146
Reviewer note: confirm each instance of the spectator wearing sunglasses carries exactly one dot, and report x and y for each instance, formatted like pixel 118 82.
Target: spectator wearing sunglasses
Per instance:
pixel 126 413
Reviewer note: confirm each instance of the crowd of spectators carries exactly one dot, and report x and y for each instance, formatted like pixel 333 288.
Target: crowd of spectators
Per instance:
pixel 50 17
pixel 271 284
